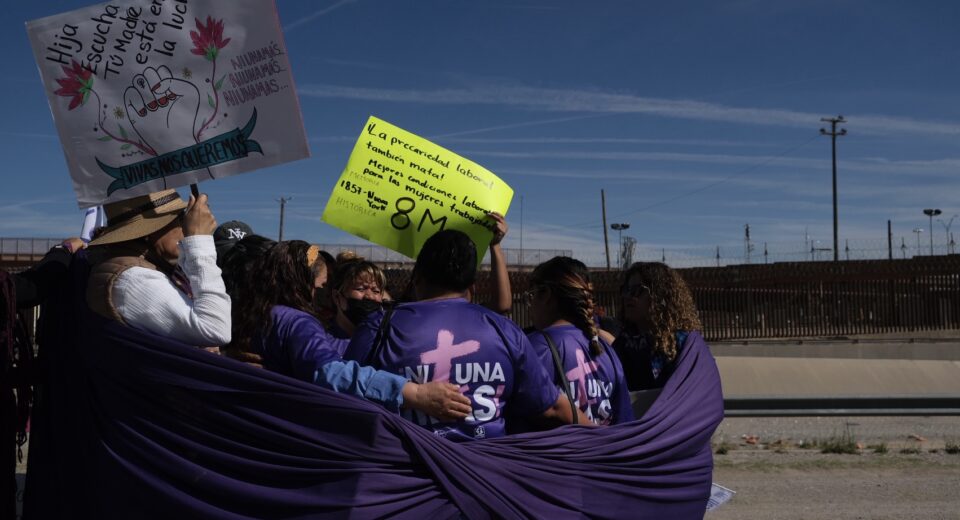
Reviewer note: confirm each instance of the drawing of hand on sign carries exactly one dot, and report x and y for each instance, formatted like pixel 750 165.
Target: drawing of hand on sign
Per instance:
pixel 163 110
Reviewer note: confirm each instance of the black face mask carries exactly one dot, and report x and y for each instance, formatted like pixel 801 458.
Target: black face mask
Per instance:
pixel 358 310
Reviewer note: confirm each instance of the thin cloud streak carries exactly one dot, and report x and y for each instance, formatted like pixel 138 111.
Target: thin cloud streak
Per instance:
pixel 558 100
pixel 311 17
pixel 870 164
pixel 600 140
pixel 519 125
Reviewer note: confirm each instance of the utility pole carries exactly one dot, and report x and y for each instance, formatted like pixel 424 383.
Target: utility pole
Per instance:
pixel 283 205
pixel 718 256
pixel 889 241
pixel 765 253
pixel 603 207
pixel 833 140
pixel 747 247
pixel 947 234
pixel 521 231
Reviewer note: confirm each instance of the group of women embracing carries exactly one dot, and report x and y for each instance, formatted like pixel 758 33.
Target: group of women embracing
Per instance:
pixel 457 368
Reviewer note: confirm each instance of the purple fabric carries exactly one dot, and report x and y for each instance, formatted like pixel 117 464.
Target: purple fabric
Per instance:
pixel 459 342
pixel 130 425
pixel 296 344
pixel 340 338
pixel 597 383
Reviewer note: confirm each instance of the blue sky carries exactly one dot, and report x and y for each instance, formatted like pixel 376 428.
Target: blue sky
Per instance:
pixel 695 117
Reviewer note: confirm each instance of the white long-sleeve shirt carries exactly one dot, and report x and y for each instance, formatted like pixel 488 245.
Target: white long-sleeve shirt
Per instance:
pixel 148 300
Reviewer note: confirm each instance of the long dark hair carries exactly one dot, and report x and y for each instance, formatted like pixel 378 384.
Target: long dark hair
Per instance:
pixel 672 306
pixel 280 277
pixel 237 263
pixel 569 283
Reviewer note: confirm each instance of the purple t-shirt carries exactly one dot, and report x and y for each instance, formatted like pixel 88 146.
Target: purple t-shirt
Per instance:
pixel 597 383
pixel 456 341
pixel 296 344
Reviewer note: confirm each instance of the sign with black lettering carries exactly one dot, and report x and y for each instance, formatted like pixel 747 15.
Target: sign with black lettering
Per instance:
pixel 398 189
pixel 155 94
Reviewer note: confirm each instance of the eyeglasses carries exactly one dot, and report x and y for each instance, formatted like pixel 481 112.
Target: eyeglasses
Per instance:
pixel 634 291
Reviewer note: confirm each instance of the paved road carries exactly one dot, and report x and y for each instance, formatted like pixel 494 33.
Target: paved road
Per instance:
pixel 819 368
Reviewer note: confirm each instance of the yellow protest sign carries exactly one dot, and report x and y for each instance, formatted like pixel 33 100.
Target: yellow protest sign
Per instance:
pixel 398 189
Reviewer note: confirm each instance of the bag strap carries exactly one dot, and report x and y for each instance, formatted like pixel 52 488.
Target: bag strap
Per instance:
pixel 380 339
pixel 561 375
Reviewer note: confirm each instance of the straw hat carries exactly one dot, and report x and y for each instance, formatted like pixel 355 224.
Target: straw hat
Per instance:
pixel 139 216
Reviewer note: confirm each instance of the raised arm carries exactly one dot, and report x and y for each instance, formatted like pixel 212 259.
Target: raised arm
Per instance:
pixel 502 298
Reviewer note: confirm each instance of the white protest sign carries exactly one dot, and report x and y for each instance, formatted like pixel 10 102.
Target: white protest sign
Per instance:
pixel 719 495
pixel 155 94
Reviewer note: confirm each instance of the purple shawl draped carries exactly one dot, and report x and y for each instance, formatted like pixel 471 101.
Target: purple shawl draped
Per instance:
pixel 132 425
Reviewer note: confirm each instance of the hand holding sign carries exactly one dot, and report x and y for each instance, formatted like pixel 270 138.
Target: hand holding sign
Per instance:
pixel 501 228
pixel 198 219
pixel 163 110
pixel 398 189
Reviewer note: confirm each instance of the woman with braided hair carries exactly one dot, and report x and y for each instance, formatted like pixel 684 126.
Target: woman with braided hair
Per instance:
pixel 659 315
pixel 569 344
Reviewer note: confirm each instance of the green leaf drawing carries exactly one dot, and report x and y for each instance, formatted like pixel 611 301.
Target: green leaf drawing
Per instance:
pixel 126 146
pixel 219 82
pixel 105 138
pixel 123 133
pixel 210 100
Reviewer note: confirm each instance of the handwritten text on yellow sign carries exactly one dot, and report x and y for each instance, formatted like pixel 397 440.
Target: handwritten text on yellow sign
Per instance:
pixel 398 189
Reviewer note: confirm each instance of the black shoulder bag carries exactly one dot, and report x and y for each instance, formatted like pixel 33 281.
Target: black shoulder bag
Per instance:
pixel 562 376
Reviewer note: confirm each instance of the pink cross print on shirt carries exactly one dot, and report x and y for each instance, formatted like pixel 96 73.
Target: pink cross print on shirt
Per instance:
pixel 579 374
pixel 442 356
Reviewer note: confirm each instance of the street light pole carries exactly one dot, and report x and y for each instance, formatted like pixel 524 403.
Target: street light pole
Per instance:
pixel 833 139
pixel 619 227
pixel 931 213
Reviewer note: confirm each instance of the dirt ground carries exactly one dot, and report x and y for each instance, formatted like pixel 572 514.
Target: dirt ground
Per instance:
pixel 810 485
pixel 781 477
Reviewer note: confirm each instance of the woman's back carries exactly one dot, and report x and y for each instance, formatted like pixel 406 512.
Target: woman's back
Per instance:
pixel 596 381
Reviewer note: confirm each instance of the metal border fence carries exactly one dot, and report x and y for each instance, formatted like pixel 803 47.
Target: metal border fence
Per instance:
pixel 791 300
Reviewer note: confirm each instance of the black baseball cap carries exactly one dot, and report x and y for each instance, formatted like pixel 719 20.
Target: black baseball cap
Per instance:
pixel 228 234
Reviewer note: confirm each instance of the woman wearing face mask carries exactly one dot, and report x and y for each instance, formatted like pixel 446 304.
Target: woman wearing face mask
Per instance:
pixel 278 324
pixel 659 318
pixel 357 290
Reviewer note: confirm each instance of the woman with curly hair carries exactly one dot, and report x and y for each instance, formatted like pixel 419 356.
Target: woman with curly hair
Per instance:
pixel 278 324
pixel 569 345
pixel 658 315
